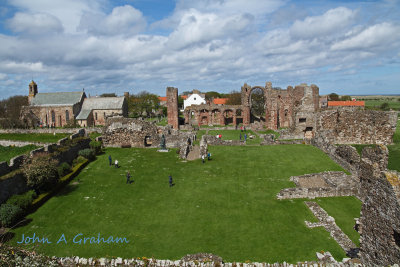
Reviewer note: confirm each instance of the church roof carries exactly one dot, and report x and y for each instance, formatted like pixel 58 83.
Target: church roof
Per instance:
pixel 92 103
pixel 103 103
pixel 57 99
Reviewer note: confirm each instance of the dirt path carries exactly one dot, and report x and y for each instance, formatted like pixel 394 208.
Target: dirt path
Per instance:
pixel 195 153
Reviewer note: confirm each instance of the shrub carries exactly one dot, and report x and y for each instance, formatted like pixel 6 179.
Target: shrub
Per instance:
pixel 384 106
pixel 96 146
pixel 63 169
pixel 9 214
pixel 87 153
pixel 79 160
pixel 41 171
pixel 22 201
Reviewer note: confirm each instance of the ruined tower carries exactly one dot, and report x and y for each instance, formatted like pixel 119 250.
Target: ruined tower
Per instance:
pixel 172 107
pixel 32 91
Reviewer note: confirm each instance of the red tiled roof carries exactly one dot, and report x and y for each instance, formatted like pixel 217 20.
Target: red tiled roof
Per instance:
pixel 184 97
pixel 162 98
pixel 346 103
pixel 220 101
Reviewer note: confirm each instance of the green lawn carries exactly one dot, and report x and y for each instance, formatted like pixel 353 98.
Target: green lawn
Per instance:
pixel 235 135
pixel 344 210
pixel 34 137
pixel 8 152
pixel 375 104
pixel 394 150
pixel 226 206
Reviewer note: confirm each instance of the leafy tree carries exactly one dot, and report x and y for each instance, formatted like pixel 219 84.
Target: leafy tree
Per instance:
pixel 9 214
pixel 143 104
pixel 180 102
pixel 333 97
pixel 10 110
pixel 108 95
pixel 41 171
pixel 257 102
pixel 384 106
pixel 234 98
pixel 212 94
pixel 345 98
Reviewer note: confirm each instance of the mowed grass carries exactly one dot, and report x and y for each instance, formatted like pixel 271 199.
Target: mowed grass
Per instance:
pixel 8 152
pixel 344 210
pixel 376 104
pixel 226 206
pixel 235 135
pixel 34 137
pixel 394 150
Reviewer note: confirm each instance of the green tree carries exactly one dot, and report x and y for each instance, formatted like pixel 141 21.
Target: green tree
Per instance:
pixel 143 104
pixel 384 106
pixel 10 110
pixel 108 95
pixel 41 171
pixel 345 98
pixel 234 98
pixel 212 94
pixel 333 97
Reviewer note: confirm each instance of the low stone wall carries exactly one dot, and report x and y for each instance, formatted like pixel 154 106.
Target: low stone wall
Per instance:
pixel 17 185
pixel 51 130
pixel 15 164
pixel 324 184
pixel 311 193
pixel 19 143
pixel 344 155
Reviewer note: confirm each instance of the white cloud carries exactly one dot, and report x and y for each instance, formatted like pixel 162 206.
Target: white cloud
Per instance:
pixel 39 23
pixel 380 35
pixel 21 67
pixel 333 20
pixel 124 20
pixel 197 28
pixel 69 12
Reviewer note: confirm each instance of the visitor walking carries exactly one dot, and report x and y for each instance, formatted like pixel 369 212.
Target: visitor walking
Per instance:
pixel 116 164
pixel 208 156
pixel 110 160
pixel 170 181
pixel 202 158
pixel 128 178
pixel 240 136
pixel 245 137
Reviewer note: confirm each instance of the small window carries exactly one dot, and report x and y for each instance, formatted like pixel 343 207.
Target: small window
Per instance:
pixel 67 115
pixel 53 116
pixel 194 98
pixel 309 129
pixel 95 115
pixel 104 115
pixel 302 120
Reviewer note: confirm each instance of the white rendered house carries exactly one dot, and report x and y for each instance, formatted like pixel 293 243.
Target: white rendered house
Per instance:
pixel 194 99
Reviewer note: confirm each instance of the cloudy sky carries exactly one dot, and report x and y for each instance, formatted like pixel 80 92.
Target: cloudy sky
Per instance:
pixel 348 47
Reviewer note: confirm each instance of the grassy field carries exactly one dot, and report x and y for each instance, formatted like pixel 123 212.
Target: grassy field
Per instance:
pixel 343 217
pixel 375 102
pixel 34 137
pixel 235 135
pixel 8 152
pixel 226 206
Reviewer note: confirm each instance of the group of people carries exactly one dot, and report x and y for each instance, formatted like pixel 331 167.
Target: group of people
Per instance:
pixel 208 157
pixel 240 136
pixel 128 173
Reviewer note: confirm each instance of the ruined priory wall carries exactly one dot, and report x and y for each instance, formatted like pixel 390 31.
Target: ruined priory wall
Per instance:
pixel 345 126
pixel 380 212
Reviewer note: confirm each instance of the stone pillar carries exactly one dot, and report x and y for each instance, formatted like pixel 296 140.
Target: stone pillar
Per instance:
pixel 172 107
pixel 187 116
pixel 246 115
pixel 234 118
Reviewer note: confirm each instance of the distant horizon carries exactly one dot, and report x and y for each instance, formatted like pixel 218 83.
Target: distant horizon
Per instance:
pixel 344 47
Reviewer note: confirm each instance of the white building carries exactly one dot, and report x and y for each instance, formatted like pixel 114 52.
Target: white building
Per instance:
pixel 196 98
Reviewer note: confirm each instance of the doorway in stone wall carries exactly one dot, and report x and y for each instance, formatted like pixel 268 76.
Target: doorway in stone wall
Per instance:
pixel 257 105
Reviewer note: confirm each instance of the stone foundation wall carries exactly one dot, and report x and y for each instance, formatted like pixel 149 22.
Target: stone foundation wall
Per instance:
pixel 16 184
pixel 126 132
pixel 380 212
pixel 52 130
pixel 345 126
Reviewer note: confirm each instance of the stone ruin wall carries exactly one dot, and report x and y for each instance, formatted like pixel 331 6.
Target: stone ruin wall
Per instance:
pixel 380 212
pixel 344 126
pixel 172 107
pixel 16 183
pixel 127 132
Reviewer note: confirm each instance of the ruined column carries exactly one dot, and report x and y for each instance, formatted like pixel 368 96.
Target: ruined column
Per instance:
pixel 172 107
